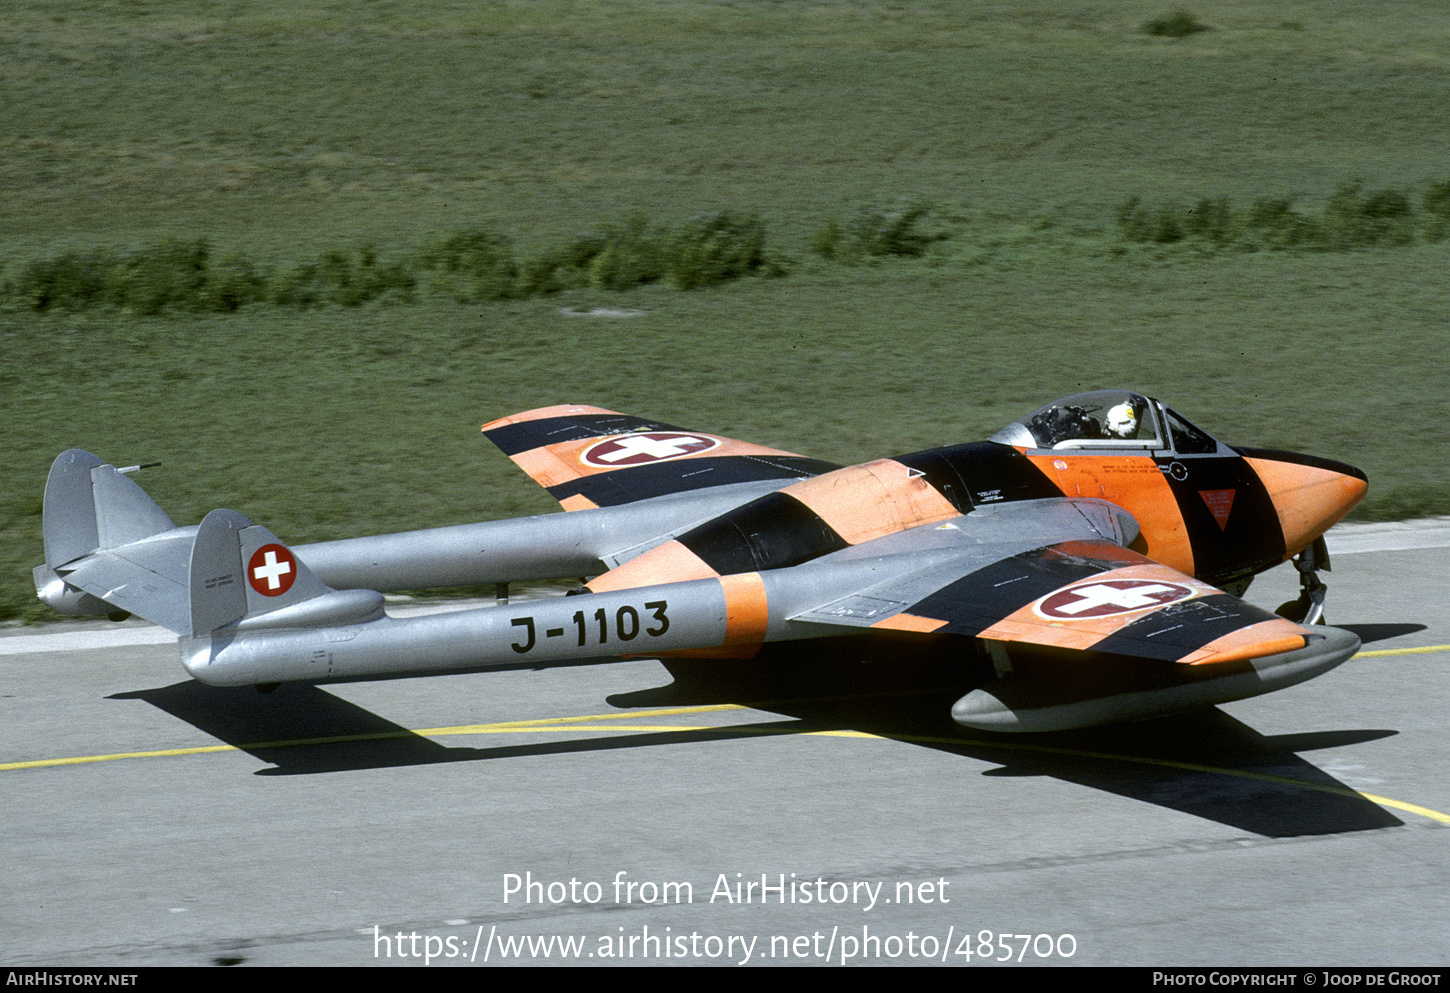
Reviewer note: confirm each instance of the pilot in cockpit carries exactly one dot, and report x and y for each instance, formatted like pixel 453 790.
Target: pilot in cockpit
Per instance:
pixel 1122 422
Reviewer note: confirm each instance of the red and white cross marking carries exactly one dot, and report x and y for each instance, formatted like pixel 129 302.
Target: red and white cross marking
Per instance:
pixel 1110 596
pixel 272 570
pixel 649 446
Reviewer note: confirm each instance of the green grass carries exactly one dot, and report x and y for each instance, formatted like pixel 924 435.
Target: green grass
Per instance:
pixel 282 132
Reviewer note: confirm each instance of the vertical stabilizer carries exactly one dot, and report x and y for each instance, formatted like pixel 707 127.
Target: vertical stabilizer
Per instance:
pixel 89 506
pixel 218 593
pixel 240 573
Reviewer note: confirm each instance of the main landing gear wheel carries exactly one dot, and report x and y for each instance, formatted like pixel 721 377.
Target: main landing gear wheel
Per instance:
pixel 1309 608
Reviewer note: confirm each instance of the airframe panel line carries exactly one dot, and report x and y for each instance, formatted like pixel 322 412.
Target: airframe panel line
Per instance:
pixel 576 724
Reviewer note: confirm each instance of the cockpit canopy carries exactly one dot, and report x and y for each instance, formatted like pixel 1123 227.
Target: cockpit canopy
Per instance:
pixel 1107 419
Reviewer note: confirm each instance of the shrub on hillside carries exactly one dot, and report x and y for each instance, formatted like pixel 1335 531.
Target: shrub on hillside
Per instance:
pixel 630 254
pixel 169 274
pixel 71 281
pixel 1179 24
pixel 1355 218
pixel 472 266
pixel 231 283
pixel 1436 202
pixel 876 232
pixel 341 277
pixel 715 249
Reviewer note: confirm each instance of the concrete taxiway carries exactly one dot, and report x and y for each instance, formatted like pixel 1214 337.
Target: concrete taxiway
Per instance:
pixel 642 813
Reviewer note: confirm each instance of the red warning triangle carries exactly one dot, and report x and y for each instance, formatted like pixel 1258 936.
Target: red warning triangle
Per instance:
pixel 1220 502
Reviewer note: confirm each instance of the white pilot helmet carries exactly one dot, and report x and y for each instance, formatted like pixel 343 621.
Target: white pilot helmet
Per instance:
pixel 1122 421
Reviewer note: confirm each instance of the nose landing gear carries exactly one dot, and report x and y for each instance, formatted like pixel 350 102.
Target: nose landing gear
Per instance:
pixel 1309 608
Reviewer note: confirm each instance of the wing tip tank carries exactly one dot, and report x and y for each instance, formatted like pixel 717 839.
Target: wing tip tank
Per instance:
pixel 1011 704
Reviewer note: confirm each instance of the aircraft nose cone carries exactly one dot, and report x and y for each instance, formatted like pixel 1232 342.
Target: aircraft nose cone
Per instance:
pixel 1310 494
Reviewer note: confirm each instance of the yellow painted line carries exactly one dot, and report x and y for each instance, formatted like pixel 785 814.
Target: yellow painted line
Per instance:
pixel 1402 651
pixel 541 724
pixel 551 721
pixel 82 759
pixel 1344 791
pixel 583 723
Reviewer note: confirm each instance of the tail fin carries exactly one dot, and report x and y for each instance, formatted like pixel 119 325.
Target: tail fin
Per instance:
pixel 110 549
pixel 240 573
pixel 91 506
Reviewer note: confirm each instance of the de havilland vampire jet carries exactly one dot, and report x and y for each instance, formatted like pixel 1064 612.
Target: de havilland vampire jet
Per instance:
pixel 1092 553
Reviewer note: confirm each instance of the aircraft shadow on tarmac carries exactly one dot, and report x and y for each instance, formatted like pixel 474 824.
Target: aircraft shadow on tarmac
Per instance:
pixel 1204 763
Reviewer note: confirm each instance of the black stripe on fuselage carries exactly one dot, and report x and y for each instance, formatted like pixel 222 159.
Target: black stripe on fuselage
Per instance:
pixel 981 472
pixel 773 532
pixel 1250 538
pixel 621 486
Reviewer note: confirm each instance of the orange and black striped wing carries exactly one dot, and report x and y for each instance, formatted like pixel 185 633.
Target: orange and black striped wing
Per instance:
pixel 590 457
pixel 1088 595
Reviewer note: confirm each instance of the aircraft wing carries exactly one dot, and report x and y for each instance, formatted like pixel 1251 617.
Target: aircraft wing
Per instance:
pixel 590 457
pixel 1085 593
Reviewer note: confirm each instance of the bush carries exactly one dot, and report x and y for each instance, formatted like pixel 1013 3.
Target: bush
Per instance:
pixel 1273 223
pixel 231 284
pixel 354 281
pixel 71 281
pixel 1355 219
pixel 565 267
pixel 877 232
pixel 293 286
pixel 629 255
pixel 169 274
pixel 715 249
pixel 1436 202
pixel 473 266
pixel 1179 24
pixel 1211 220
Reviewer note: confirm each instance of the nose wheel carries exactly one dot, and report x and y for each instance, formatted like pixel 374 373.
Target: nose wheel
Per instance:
pixel 1309 608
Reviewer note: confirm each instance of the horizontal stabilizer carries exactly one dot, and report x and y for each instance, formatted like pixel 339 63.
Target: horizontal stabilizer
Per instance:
pixel 109 549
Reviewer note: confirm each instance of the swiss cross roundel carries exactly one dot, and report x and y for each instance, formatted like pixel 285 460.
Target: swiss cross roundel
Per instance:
pixel 272 570
pixel 645 447
pixel 1110 596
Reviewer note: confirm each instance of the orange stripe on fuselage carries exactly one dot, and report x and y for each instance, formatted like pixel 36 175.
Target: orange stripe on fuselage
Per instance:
pixel 747 614
pixel 859 503
pixel 1135 483
pixel 671 562
pixel 862 502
